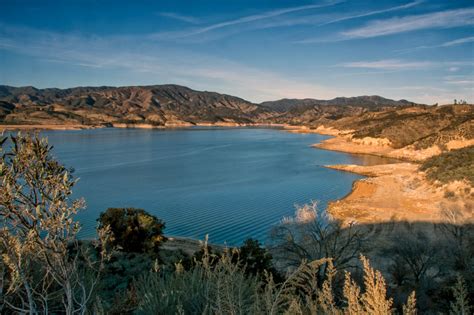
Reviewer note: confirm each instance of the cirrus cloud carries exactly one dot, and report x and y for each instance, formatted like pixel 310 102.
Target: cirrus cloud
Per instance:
pixel 443 19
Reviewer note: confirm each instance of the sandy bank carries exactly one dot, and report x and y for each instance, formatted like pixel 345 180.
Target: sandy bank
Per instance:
pixel 345 144
pixel 172 125
pixel 329 131
pixel 168 125
pixel 48 127
pixel 398 192
pixel 381 147
pixel 343 141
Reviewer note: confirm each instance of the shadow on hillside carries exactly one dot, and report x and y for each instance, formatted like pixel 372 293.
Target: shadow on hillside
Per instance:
pixel 423 256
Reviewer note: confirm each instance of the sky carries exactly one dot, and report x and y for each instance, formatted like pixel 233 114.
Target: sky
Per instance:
pixel 420 50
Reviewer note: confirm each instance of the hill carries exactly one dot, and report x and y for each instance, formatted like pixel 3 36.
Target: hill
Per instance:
pixel 373 101
pixel 421 126
pixel 313 112
pixel 159 105
pixel 168 105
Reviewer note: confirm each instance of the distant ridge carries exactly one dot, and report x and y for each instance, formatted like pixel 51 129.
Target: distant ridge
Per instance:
pixel 286 104
pixel 167 105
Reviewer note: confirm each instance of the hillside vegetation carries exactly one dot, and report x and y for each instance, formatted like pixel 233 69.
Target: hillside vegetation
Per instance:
pixel 451 166
pixel 421 126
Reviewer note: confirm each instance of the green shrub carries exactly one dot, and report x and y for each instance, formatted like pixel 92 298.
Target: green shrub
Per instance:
pixel 134 230
pixel 254 257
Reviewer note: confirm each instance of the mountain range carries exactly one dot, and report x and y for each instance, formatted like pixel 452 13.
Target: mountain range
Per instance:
pixel 171 105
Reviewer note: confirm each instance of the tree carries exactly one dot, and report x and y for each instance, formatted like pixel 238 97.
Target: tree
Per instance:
pixel 312 235
pixel 133 230
pixel 45 265
pixel 459 238
pixel 414 257
pixel 256 259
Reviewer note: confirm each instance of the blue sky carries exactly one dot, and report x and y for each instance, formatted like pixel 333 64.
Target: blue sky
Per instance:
pixel 259 50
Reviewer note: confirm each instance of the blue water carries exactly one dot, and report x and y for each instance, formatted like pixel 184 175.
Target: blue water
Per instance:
pixel 229 183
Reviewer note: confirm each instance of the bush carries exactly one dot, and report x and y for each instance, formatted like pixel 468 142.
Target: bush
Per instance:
pixel 254 258
pixel 225 288
pixel 134 230
pixel 312 234
pixel 43 267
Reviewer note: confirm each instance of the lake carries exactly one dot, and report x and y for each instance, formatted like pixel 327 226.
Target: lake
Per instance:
pixel 230 183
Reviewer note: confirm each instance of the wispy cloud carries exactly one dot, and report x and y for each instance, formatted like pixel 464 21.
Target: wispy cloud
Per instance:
pixel 461 82
pixel 180 17
pixel 356 16
pixel 459 41
pixel 469 63
pixel 401 65
pixel 241 20
pixel 417 88
pixel 444 19
pixel 351 17
pixel 455 77
pixel 456 42
pixel 389 64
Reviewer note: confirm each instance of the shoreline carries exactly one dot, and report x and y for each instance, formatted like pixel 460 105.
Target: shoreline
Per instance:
pixel 342 141
pixel 188 245
pixel 390 192
pixel 19 127
pixel 396 191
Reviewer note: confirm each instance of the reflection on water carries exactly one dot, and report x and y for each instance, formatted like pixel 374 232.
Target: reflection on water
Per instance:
pixel 366 159
pixel 229 183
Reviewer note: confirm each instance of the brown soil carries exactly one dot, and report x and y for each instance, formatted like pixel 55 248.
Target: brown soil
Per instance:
pixel 397 192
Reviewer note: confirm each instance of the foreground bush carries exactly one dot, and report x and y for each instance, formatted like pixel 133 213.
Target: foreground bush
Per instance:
pixel 225 288
pixel 43 267
pixel 133 230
